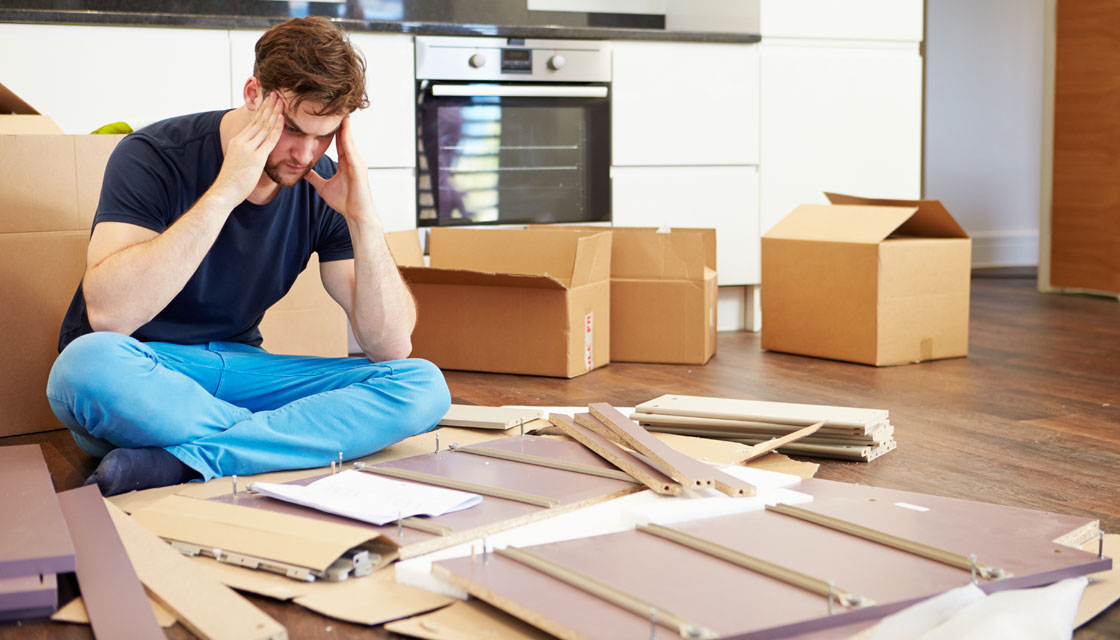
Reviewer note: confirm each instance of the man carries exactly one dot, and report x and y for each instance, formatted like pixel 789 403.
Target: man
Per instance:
pixel 204 222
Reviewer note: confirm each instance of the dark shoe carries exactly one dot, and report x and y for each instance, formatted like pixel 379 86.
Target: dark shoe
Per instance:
pixel 124 470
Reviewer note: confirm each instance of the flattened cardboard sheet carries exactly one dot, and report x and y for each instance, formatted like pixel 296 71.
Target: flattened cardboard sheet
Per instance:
pixel 41 544
pixel 114 598
pixel 470 620
pixel 1104 590
pixel 301 541
pixel 207 608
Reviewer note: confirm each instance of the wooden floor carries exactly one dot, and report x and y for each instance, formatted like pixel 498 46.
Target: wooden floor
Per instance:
pixel 1031 418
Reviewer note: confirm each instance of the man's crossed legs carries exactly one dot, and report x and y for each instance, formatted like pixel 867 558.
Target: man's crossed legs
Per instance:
pixel 161 413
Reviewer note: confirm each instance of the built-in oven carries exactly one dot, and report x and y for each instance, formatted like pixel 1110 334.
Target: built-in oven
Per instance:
pixel 512 131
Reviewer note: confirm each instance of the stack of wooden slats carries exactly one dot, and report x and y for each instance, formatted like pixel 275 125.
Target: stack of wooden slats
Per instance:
pixel 848 433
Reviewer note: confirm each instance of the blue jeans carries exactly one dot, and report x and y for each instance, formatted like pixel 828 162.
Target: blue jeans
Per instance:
pixel 227 408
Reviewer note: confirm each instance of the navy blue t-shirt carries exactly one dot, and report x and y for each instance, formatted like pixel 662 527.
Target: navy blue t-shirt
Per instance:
pixel 157 174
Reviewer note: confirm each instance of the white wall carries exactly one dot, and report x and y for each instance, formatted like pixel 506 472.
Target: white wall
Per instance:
pixel 983 122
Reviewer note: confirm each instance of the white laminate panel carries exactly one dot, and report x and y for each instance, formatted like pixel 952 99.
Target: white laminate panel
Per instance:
pixel 851 19
pixel 723 198
pixel 84 77
pixel 838 118
pixel 679 104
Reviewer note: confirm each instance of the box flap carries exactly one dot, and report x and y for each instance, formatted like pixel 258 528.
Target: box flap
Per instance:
pixel 432 275
pixel 680 254
pixel 16 116
pixel 520 251
pixel 840 223
pixel 592 259
pixel 405 248
pixel 932 220
pixel 11 103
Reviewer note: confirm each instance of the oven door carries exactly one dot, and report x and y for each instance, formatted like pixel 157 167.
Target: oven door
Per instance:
pixel 512 153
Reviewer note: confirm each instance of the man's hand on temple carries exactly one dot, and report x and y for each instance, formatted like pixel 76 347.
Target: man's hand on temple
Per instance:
pixel 347 191
pixel 248 150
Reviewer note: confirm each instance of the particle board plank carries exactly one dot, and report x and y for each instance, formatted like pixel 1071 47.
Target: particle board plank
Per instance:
pixel 207 608
pixel 639 469
pixel 40 544
pixel 718 427
pixel 114 598
pixel 479 417
pixel 686 470
pixel 23 597
pixel 764 411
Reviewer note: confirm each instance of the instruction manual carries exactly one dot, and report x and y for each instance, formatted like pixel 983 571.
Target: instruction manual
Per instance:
pixel 370 498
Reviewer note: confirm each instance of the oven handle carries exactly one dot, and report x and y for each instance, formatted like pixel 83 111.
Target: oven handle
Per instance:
pixel 519 90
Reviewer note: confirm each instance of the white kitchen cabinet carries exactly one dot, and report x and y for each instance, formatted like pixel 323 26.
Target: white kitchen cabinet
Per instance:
pixel 724 198
pixel 677 103
pixel 838 116
pixel 848 20
pixel 386 131
pixel 84 77
pixel 394 197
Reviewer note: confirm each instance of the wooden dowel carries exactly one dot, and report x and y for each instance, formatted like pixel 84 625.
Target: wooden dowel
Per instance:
pixel 778 572
pixel 606 592
pixel 917 548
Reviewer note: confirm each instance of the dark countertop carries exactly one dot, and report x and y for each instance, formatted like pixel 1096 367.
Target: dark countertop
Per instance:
pixel 506 18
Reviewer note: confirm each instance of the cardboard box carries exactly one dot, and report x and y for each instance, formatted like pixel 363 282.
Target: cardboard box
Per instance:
pixel 879 282
pixel 510 300
pixel 663 294
pixel 48 195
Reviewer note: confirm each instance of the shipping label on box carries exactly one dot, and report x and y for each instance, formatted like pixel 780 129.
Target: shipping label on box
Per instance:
pixel 510 300
pixel 879 282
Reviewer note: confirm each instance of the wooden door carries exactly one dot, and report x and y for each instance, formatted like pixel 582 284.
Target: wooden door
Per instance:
pixel 1085 208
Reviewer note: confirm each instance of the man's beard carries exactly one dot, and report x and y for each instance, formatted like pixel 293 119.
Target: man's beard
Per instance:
pixel 273 171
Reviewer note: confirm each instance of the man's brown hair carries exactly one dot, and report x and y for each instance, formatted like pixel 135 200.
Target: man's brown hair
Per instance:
pixel 313 59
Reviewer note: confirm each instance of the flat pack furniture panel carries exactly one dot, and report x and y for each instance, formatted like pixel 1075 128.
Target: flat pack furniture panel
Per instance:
pixel 207 608
pixel 477 417
pixel 26 597
pixel 570 490
pixel 722 599
pixel 841 499
pixel 35 539
pixel 763 411
pixel 636 467
pixel 113 595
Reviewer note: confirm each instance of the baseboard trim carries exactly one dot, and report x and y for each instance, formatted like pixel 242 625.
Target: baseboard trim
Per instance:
pixel 1005 249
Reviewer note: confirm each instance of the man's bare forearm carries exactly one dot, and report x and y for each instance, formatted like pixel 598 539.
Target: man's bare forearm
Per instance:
pixel 127 288
pixel 384 312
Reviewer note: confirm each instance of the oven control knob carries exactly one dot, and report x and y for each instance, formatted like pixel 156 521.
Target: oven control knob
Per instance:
pixel 477 60
pixel 556 62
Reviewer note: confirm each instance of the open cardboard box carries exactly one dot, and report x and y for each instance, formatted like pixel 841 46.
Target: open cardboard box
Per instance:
pixel 48 195
pixel 663 294
pixel 874 281
pixel 533 302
